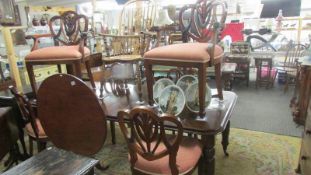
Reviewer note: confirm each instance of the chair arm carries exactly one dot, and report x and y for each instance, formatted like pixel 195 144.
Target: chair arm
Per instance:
pixel 36 38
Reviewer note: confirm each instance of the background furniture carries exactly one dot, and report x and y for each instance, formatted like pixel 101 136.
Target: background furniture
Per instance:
pixel 290 64
pixel 55 161
pixel 240 54
pixel 137 16
pixel 157 152
pixel 122 51
pixel 265 74
pixel 33 125
pixel 7 100
pixel 72 35
pixel 304 117
pixel 300 101
pixel 6 32
pixel 8 137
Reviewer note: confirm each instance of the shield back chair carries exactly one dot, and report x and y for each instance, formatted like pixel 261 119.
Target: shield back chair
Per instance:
pixel 69 34
pixel 207 21
pixel 291 65
pixel 33 126
pixel 151 149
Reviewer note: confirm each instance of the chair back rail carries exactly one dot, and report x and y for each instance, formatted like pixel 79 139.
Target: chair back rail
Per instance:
pixel 206 21
pixel 26 109
pixel 294 52
pixel 69 29
pixel 147 132
pixel 71 114
pixel 137 16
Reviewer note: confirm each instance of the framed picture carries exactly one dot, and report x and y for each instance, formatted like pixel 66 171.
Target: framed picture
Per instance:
pixel 240 48
pixel 9 13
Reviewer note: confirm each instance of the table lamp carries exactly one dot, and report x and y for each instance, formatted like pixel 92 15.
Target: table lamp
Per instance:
pixel 163 19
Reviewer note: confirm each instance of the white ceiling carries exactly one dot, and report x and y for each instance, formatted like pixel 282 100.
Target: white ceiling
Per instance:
pixel 56 2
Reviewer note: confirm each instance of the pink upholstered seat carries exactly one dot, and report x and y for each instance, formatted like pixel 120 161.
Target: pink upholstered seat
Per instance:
pixel 56 53
pixel 192 52
pixel 265 72
pixel 30 131
pixel 187 157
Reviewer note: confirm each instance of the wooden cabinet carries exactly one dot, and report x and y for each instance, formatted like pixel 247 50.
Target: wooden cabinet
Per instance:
pixel 302 114
pixel 305 152
pixel 300 101
pixel 41 73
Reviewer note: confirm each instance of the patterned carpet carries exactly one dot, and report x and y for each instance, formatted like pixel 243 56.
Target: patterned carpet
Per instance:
pixel 251 153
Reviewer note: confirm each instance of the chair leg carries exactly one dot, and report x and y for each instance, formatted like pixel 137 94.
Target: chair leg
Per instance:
pixel 59 68
pixel 218 81
pixel 31 76
pixel 286 85
pixel 202 88
pixel 89 73
pixel 22 140
pixel 77 69
pixel 41 146
pixel 30 146
pixel 112 130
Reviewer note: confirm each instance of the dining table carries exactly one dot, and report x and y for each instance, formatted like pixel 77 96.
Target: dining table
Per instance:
pixel 216 119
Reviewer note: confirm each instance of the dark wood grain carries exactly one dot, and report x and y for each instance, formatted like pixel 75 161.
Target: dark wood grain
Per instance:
pixel 54 161
pixel 214 120
pixel 5 134
pixel 304 166
pixel 71 114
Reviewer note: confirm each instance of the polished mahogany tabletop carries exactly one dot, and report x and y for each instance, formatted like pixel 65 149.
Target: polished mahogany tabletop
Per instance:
pixel 215 120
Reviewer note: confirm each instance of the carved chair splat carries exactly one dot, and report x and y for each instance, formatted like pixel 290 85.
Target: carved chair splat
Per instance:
pixel 69 34
pixel 151 149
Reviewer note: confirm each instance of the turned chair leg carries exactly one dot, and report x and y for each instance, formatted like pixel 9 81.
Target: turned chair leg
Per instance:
pixel 218 81
pixel 30 146
pixel 31 76
pixel 41 146
pixel 89 73
pixel 59 68
pixel 113 134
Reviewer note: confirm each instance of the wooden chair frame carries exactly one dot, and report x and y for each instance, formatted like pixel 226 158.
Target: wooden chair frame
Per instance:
pixel 291 65
pixel 207 26
pixel 146 127
pixel 69 33
pixel 29 115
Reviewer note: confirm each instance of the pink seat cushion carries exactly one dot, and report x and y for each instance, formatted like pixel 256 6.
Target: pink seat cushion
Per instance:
pixel 31 132
pixel 265 72
pixel 187 52
pixel 57 53
pixel 188 155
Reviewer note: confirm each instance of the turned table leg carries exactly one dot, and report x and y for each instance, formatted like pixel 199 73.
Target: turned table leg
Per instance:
pixel 225 138
pixel 207 161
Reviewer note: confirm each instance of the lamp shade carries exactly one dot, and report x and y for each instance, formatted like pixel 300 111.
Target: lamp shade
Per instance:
pixel 163 18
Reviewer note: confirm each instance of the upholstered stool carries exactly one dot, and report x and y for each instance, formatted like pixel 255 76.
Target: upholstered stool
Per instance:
pixel 190 55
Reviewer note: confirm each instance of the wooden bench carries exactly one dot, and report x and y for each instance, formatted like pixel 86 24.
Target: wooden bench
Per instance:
pixel 55 161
